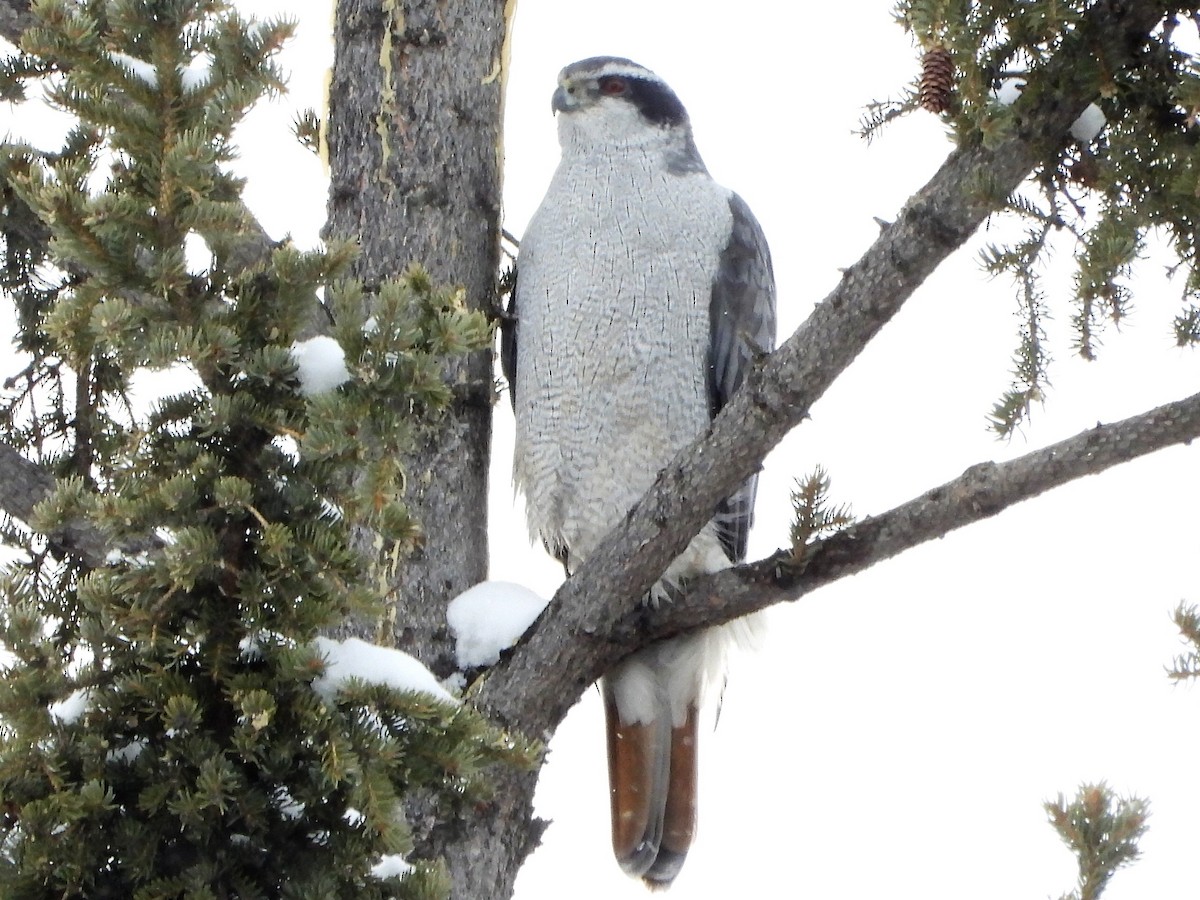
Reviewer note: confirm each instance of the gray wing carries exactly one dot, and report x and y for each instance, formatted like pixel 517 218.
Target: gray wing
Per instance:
pixel 742 326
pixel 508 340
pixel 509 324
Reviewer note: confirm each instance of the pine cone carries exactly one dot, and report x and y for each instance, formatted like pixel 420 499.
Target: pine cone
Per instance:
pixel 937 79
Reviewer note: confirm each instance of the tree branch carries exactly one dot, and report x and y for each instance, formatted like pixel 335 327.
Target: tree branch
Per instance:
pixel 980 492
pixel 24 484
pixel 576 638
pixel 15 17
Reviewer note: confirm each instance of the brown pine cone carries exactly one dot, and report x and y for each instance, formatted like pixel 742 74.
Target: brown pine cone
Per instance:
pixel 937 79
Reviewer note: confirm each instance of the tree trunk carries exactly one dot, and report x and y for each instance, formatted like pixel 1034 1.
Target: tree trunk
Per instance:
pixel 413 137
pixel 414 146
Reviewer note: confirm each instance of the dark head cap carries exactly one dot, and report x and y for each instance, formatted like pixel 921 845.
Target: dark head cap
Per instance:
pixel 597 79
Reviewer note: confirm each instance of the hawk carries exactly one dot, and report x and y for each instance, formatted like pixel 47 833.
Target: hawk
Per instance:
pixel 644 292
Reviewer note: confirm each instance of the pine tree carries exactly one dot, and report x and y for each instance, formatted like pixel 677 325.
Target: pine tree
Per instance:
pixel 170 726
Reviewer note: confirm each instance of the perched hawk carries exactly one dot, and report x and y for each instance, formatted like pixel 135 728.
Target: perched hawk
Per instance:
pixel 644 291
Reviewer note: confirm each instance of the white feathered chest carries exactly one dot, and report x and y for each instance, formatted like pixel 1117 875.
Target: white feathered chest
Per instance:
pixel 614 293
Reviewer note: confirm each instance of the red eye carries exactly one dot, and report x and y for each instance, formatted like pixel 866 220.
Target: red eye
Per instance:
pixel 613 86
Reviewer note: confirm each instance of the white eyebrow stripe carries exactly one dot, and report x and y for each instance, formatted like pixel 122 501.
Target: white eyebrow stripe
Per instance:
pixel 621 69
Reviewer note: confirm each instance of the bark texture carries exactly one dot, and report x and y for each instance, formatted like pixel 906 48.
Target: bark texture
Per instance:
pixel 24 484
pixel 414 130
pixel 15 17
pixel 413 139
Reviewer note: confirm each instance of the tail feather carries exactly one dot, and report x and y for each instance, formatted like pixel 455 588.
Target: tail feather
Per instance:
pixel 633 776
pixel 679 811
pixel 652 742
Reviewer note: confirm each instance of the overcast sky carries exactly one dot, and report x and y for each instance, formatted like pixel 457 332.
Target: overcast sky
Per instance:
pixel 899 731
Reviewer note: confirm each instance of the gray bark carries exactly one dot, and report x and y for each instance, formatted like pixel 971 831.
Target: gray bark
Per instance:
pixel 24 484
pixel 15 17
pixel 413 131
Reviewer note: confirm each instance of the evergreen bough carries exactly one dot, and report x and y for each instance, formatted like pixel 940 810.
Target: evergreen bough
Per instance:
pixel 160 736
pixel 1101 197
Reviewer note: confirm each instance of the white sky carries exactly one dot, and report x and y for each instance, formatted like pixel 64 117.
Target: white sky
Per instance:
pixel 900 730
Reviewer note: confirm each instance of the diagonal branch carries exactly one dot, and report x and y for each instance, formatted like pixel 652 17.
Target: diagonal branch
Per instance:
pixel 573 643
pixel 980 492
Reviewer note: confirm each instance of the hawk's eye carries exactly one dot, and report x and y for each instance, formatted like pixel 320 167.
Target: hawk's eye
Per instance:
pixel 613 86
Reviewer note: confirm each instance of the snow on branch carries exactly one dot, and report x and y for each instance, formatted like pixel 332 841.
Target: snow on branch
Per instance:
pixel 354 659
pixel 320 365
pixel 489 618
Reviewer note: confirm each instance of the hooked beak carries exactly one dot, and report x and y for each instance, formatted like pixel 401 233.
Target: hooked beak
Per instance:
pixel 565 99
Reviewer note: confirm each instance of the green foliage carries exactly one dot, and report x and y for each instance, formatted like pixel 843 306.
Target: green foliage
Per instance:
pixel 161 735
pixel 395 340
pixel 1031 359
pixel 1100 196
pixel 307 129
pixel 1187 665
pixel 1102 831
pixel 815 517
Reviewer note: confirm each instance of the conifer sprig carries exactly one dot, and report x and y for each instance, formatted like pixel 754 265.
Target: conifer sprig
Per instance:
pixel 162 733
pixel 1107 186
pixel 814 515
pixel 1102 830
pixel 1187 664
